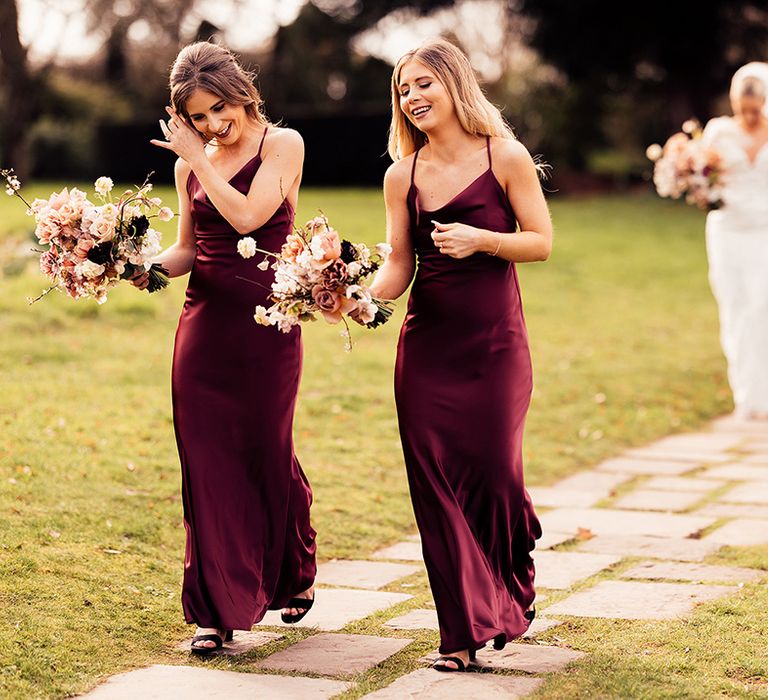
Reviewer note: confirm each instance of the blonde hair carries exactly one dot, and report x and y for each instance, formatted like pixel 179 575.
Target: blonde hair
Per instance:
pixel 209 67
pixel 476 114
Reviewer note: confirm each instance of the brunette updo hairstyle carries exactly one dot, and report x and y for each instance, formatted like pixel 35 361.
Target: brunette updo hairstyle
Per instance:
pixel 209 67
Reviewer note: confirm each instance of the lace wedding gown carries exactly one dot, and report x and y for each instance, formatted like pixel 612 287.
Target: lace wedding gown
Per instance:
pixel 737 248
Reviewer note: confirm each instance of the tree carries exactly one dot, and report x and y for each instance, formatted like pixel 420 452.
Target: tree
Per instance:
pixel 19 92
pixel 678 56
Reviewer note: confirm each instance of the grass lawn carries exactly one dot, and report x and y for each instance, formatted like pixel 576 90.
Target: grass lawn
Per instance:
pixel 624 339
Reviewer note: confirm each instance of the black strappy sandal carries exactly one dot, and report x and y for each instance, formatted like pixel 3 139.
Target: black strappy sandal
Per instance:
pixel 205 651
pixel 303 604
pixel 445 668
pixel 530 614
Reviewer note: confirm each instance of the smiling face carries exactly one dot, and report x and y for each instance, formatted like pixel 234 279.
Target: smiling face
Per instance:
pixel 423 98
pixel 750 109
pixel 215 118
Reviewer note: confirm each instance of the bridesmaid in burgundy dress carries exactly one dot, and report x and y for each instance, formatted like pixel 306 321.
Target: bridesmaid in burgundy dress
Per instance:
pixel 250 546
pixel 463 198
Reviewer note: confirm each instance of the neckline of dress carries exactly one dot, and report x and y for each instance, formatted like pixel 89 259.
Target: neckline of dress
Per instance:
pixel 239 170
pixel 452 199
pixel 750 161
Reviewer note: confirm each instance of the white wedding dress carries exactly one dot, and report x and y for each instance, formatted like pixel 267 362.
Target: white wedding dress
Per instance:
pixel 737 248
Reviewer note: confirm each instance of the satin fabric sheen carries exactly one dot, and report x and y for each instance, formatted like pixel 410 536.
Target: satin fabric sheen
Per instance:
pixel 463 382
pixel 250 545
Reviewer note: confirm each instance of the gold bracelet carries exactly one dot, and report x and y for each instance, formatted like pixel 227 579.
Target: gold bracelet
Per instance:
pixel 498 247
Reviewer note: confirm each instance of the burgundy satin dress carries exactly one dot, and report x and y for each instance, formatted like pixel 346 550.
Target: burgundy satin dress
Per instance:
pixel 250 545
pixel 463 383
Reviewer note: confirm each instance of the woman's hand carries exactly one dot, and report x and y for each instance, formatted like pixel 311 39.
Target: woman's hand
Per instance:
pixel 459 240
pixel 140 279
pixel 181 138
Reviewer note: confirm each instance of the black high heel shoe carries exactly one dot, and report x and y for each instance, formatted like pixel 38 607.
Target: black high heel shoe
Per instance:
pixel 215 638
pixel 530 614
pixel 303 604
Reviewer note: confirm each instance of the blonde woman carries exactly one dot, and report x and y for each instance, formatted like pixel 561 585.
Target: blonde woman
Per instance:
pixel 737 239
pixel 250 546
pixel 463 200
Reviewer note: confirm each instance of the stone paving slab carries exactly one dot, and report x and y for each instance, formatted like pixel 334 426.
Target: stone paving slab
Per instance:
pixel 733 510
pixel 160 682
pixel 737 472
pixel 550 539
pixel 334 654
pixel 414 538
pixel 336 607
pixel 693 572
pixel 634 465
pixel 608 521
pixel 629 600
pixel 671 548
pixel 752 492
pixel 709 441
pixel 731 423
pixel 419 619
pixel 605 482
pixel 648 499
pixel 531 658
pixel 688 484
pixel 409 550
pixel 552 496
pixel 242 642
pixel 560 570
pixel 428 684
pixel 696 457
pixel 742 532
pixel 362 574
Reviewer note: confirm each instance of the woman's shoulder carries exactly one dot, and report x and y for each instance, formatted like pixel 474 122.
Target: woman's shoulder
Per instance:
pixel 284 137
pixel 720 125
pixel 398 175
pixel 509 152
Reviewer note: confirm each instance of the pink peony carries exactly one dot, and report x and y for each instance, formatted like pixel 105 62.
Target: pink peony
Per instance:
pixel 334 275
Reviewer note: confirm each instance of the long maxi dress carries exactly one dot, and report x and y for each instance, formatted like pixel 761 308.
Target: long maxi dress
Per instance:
pixel 463 382
pixel 737 250
pixel 250 545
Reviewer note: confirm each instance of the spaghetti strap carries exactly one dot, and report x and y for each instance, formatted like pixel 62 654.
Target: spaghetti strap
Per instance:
pixel 488 148
pixel 413 167
pixel 261 145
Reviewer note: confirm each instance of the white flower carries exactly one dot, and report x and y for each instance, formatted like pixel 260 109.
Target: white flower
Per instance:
pixel 103 186
pixel 165 214
pixel 354 269
pixel 383 249
pixel 264 264
pixel 151 245
pixel 689 126
pixel 363 254
pixel 246 247
pixel 261 316
pixel 366 310
pixel 654 152
pixel 89 269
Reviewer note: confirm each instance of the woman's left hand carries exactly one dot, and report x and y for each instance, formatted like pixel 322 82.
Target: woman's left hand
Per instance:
pixel 181 138
pixel 457 240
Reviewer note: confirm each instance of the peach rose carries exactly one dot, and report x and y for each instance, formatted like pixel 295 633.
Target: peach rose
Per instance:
pixel 332 304
pixel 294 245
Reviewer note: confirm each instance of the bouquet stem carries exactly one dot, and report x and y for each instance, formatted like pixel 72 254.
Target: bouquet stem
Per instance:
pixel 158 276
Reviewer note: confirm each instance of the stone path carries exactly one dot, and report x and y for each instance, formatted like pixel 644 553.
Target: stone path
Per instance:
pixel 627 540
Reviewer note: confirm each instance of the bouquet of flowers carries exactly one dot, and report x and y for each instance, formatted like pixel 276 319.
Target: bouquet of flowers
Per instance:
pixel 318 272
pixel 685 167
pixel 91 247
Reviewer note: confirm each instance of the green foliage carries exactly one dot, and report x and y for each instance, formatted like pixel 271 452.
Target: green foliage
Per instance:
pixel 624 339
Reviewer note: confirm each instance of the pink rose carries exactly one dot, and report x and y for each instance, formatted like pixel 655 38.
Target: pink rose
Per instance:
pixel 47 229
pixel 82 248
pixel 332 304
pixel 58 199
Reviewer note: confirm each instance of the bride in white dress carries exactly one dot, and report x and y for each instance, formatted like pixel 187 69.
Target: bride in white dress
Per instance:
pixel 737 239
